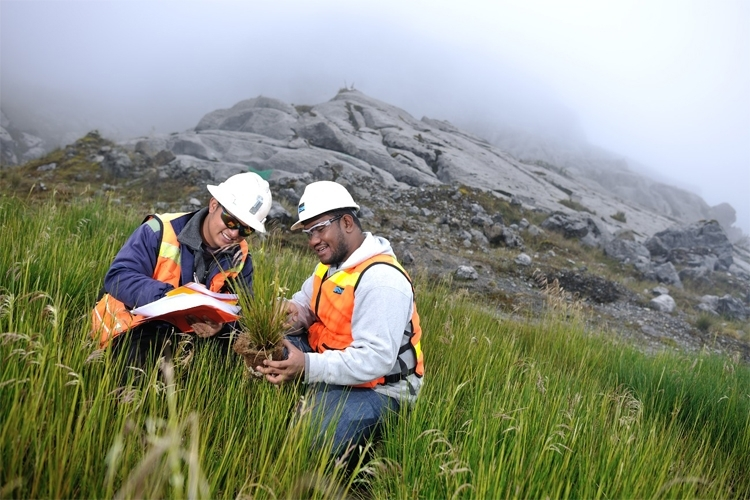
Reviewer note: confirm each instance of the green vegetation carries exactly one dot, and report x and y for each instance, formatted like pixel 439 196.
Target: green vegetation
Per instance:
pixel 619 216
pixel 554 168
pixel 78 173
pixel 705 322
pixel 720 284
pixel 512 214
pixel 522 409
pixel 304 108
pixel 574 205
pixel 264 313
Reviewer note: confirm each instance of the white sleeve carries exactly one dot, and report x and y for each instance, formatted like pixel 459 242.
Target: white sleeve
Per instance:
pixel 302 300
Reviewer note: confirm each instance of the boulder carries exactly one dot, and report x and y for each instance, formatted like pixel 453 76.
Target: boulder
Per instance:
pixel 666 273
pixel 700 244
pixel 663 303
pixel 279 215
pixel 522 260
pixel 582 227
pixel 497 234
pixel 626 251
pixel 466 273
pixel 731 308
pixel 264 116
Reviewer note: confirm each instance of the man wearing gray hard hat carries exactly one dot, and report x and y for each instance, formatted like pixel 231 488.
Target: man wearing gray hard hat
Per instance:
pixel 358 344
pixel 206 247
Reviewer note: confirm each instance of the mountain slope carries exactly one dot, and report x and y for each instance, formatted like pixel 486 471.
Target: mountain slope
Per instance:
pixel 357 133
pixel 488 243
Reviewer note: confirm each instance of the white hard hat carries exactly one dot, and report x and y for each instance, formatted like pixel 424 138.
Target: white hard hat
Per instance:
pixel 321 197
pixel 247 196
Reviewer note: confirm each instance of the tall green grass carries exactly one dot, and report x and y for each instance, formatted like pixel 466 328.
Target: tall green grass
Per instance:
pixel 510 408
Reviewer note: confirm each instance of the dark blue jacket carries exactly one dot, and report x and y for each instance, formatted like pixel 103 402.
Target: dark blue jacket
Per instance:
pixel 129 278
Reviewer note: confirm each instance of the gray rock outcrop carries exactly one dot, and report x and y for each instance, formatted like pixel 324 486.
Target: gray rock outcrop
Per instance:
pixel 626 250
pixel 703 244
pixel 599 169
pixel 727 306
pixel 17 146
pixel 582 227
pixel 353 135
pixel 732 308
pixel 666 273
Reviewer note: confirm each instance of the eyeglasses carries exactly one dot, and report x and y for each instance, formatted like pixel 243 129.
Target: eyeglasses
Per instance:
pixel 233 223
pixel 319 227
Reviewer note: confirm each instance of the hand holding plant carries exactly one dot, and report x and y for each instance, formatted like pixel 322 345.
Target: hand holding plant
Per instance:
pixel 263 310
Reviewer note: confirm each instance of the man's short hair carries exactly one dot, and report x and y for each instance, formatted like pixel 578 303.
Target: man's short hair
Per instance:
pixel 347 211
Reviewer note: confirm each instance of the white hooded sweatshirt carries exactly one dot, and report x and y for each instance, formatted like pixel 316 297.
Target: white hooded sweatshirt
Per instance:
pixel 382 311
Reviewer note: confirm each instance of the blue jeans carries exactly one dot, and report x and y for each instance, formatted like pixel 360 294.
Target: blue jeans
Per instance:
pixel 356 412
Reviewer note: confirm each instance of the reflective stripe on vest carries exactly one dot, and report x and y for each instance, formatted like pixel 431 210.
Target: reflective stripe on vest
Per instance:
pixel 333 303
pixel 111 317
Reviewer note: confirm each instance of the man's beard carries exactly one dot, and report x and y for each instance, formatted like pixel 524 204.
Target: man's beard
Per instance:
pixel 339 252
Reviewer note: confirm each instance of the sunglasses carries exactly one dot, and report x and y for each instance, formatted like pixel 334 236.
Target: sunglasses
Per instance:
pixel 233 223
pixel 319 227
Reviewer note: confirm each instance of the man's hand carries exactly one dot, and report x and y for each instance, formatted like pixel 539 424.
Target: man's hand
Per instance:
pixel 292 323
pixel 292 313
pixel 204 327
pixel 277 372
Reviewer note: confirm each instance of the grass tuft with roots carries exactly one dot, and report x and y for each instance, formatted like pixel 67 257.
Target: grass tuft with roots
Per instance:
pixel 263 313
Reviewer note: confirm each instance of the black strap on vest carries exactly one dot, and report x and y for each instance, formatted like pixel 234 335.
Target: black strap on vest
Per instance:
pixel 405 371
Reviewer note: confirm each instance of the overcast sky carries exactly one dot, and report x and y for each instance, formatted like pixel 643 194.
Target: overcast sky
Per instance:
pixel 666 84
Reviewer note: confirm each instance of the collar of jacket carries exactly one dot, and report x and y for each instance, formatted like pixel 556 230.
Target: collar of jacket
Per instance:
pixel 190 235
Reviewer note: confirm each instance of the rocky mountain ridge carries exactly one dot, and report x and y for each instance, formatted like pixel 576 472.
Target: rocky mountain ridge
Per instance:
pixel 453 205
pixel 361 134
pixel 615 175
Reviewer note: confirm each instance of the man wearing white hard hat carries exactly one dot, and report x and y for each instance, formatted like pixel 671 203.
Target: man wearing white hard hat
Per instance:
pixel 207 247
pixel 358 348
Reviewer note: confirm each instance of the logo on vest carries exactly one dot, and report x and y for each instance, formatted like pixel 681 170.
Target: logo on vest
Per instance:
pixel 338 290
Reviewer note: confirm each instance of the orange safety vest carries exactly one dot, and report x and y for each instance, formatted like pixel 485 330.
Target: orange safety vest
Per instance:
pixel 111 317
pixel 333 303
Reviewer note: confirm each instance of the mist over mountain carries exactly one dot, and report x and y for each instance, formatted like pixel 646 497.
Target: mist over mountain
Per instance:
pixel 662 86
pixel 507 100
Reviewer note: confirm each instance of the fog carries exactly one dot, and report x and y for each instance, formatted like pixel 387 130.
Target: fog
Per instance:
pixel 665 84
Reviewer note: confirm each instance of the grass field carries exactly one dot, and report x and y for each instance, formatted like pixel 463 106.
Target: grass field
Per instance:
pixel 510 409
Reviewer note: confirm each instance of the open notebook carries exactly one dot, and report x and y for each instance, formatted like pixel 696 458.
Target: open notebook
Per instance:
pixel 191 299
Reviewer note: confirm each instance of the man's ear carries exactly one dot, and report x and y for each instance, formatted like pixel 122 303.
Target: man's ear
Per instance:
pixel 348 222
pixel 213 204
